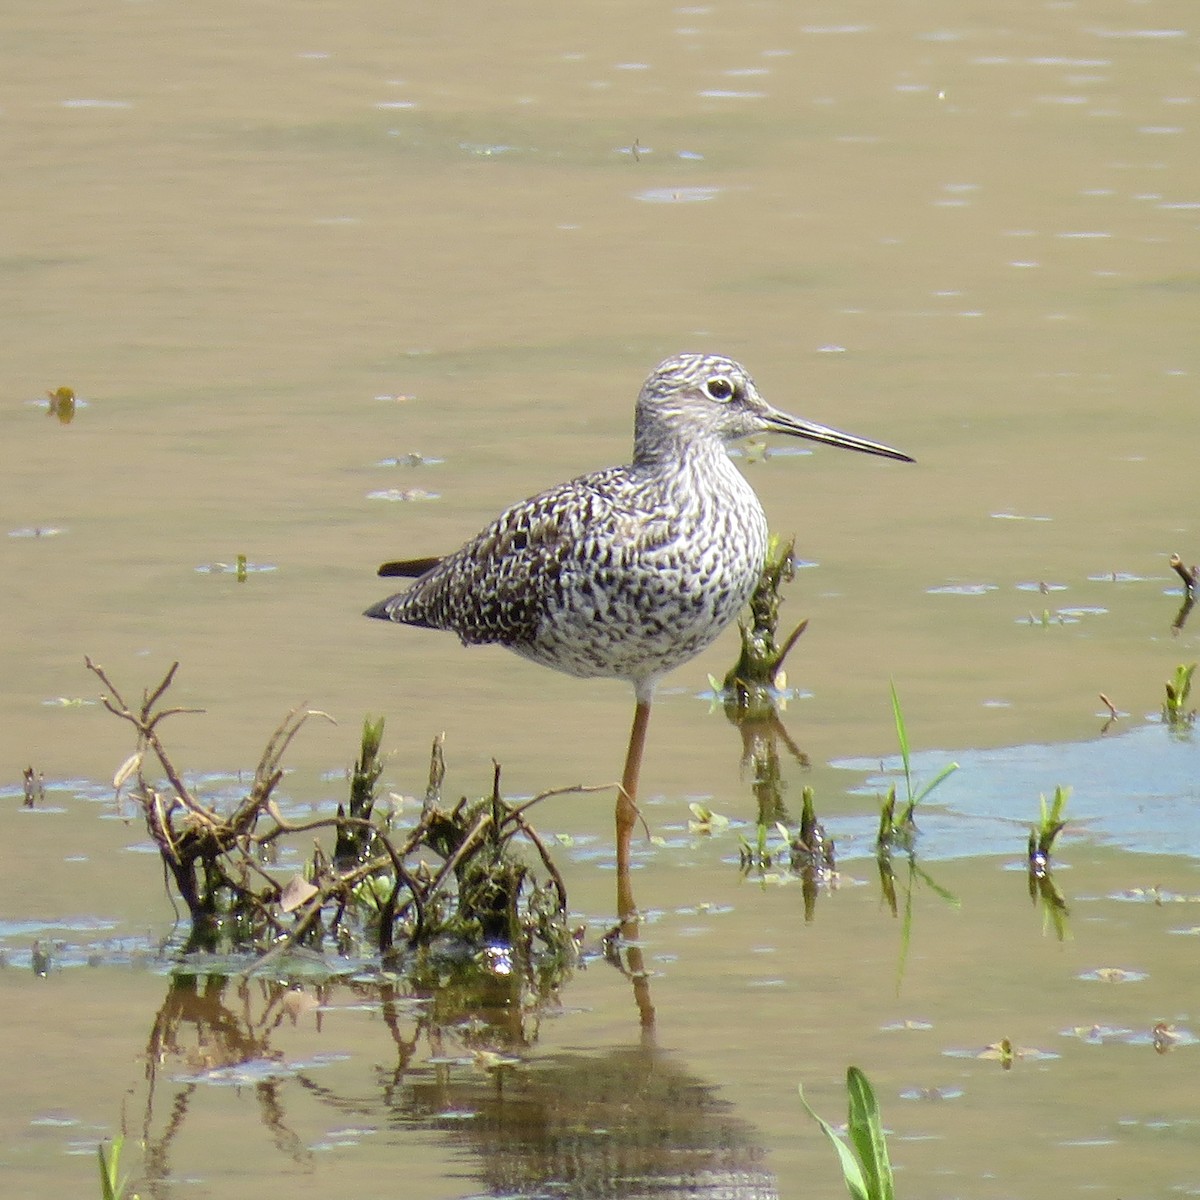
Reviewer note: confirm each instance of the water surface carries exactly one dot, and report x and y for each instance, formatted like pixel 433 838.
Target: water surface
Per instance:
pixel 278 250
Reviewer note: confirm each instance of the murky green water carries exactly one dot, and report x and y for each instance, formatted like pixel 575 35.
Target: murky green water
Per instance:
pixel 276 249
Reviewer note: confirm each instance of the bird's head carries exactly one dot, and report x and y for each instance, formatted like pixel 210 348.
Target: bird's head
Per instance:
pixel 693 398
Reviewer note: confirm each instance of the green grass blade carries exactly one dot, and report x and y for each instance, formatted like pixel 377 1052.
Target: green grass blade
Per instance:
pixel 943 774
pixel 856 1185
pixel 110 1165
pixel 902 738
pixel 866 1132
pixel 906 924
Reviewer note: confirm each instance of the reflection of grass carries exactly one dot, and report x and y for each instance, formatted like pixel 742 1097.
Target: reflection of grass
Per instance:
pixel 866 1167
pixel 900 831
pixel 1041 880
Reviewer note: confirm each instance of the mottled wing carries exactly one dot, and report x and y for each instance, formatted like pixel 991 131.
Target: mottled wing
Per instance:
pixel 498 587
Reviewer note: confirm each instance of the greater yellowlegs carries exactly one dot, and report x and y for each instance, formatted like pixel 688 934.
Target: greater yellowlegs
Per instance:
pixel 630 571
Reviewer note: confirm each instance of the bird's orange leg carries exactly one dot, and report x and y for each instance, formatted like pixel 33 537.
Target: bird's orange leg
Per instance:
pixel 627 810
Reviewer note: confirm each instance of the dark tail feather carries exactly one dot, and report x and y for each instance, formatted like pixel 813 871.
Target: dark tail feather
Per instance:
pixel 386 610
pixel 380 610
pixel 409 568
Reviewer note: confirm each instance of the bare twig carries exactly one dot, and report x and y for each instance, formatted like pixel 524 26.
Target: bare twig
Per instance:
pixel 581 789
pixel 311 912
pixel 1189 575
pixel 145 722
pixel 544 854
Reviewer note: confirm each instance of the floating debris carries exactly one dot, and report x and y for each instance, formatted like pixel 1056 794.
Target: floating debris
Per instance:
pixel 1113 975
pixel 403 495
pixel 62 404
pixel 37 531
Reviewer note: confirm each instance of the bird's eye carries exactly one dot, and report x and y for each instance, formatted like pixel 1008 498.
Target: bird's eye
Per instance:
pixel 719 388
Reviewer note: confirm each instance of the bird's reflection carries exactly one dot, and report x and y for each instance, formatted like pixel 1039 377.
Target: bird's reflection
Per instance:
pixel 626 1121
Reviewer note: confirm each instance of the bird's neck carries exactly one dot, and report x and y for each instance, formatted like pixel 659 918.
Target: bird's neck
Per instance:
pixel 694 471
pixel 657 452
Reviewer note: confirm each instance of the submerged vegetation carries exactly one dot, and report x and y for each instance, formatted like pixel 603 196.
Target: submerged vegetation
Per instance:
pixel 375 890
pixel 755 681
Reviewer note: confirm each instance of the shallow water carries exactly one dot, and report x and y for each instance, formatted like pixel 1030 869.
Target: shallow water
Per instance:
pixel 275 250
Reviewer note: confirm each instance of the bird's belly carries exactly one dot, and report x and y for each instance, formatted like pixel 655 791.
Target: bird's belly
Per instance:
pixel 639 619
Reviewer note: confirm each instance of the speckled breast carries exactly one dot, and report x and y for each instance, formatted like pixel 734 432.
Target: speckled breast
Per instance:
pixel 639 602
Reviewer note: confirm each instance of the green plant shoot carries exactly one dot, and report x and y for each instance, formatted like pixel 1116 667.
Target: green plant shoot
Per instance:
pixel 866 1167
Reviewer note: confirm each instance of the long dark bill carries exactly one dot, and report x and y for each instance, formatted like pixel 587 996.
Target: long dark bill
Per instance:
pixel 781 422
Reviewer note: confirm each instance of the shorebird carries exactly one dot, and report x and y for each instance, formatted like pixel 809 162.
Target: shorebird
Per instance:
pixel 627 572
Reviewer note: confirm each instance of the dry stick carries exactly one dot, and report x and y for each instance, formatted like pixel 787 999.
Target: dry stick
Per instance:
pixel 281 739
pixel 342 883
pixel 792 639
pixel 352 878
pixel 1189 575
pixel 389 915
pixel 473 835
pixel 574 789
pixel 151 698
pixel 266 778
pixel 160 830
pixel 145 727
pixel 282 826
pixel 315 905
pixel 581 789
pixel 268 773
pixel 514 813
pixel 547 862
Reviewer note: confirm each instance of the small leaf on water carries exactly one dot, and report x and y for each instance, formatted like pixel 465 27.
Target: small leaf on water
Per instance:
pixel 296 893
pixel 62 404
pixel 705 819
pixel 490 1060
